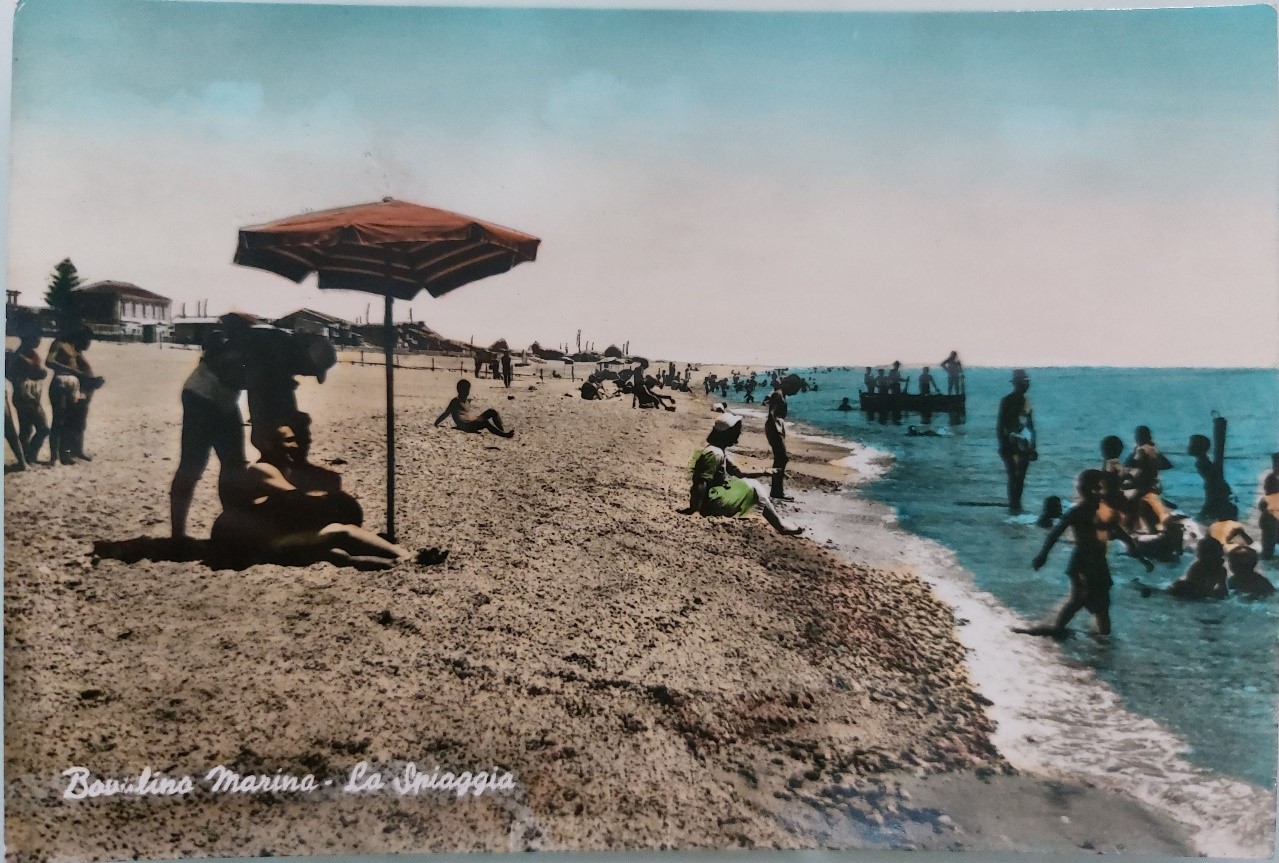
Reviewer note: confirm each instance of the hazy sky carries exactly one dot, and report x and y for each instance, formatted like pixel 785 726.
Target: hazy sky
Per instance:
pixel 1029 188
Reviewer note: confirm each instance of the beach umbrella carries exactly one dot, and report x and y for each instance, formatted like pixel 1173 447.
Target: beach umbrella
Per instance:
pixel 392 248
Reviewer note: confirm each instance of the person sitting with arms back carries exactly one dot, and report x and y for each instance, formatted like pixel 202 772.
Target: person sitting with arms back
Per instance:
pixel 467 417
pixel 267 518
pixel 642 395
pixel 720 488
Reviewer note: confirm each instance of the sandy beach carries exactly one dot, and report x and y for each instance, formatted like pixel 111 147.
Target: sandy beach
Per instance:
pixel 651 680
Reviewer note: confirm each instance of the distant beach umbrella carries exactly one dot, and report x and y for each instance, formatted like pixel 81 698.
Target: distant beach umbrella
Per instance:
pixel 392 248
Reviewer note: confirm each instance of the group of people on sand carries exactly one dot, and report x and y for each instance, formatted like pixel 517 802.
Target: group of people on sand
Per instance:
pixel 1122 500
pixel 644 389
pixel 892 382
pixel 720 488
pixel 72 383
pixel 281 508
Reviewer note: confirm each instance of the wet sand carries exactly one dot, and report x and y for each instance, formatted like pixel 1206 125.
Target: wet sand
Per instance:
pixel 652 680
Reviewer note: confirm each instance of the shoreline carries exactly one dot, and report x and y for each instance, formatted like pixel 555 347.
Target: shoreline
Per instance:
pixel 651 680
pixel 1037 732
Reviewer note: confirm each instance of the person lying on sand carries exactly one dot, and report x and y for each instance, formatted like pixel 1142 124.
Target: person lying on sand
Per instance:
pixel 1093 525
pixel 721 488
pixel 1244 578
pixel 468 418
pixel 268 518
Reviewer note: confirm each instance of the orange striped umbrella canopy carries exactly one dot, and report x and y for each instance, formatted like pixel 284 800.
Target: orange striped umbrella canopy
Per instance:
pixel 390 247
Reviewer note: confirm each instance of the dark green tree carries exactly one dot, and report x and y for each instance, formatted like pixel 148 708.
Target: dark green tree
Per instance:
pixel 62 281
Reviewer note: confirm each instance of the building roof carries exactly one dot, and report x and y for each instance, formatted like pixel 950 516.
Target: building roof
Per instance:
pixel 120 289
pixel 330 319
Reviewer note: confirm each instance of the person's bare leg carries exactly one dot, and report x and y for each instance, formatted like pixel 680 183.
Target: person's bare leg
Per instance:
pixel 494 423
pixel 360 543
pixel 771 516
pixel 15 444
pixel 181 493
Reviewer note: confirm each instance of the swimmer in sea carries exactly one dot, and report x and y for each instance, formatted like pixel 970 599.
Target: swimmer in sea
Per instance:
pixel 1145 462
pixel 1051 512
pixel 1093 525
pixel 845 405
pixel 1244 578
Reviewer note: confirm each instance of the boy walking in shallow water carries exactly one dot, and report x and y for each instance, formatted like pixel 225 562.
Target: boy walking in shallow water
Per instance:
pixel 1092 523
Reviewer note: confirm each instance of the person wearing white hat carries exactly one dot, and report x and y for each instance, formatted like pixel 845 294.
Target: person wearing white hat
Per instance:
pixel 720 488
pixel 1015 431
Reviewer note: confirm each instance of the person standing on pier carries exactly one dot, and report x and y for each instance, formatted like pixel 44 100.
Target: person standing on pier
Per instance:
pixel 1015 431
pixel 954 374
pixel 926 386
pixel 775 431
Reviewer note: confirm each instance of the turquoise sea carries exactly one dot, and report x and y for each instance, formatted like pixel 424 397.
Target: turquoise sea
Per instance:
pixel 1208 671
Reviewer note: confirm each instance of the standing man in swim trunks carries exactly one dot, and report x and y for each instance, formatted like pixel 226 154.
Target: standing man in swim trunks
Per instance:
pixel 1015 432
pixel 211 422
pixel 25 370
pixel 868 380
pixel 1093 527
pixel 73 384
pixel 954 374
pixel 506 368
pixel 775 432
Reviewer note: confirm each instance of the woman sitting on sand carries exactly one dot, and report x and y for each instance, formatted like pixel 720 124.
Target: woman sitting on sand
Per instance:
pixel 721 488
pixel 267 518
pixel 466 418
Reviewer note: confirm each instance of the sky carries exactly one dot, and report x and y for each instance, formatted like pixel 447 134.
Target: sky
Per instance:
pixel 1038 188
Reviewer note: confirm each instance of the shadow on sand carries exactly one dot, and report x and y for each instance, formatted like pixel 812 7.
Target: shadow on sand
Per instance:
pixel 164 549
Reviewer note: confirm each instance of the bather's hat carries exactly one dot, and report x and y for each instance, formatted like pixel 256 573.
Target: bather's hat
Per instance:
pixel 1020 376
pixel 726 422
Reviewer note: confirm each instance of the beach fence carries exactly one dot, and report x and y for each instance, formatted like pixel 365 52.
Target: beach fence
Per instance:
pixel 430 361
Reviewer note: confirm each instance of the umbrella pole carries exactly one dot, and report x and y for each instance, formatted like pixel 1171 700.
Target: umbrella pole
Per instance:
pixel 388 336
